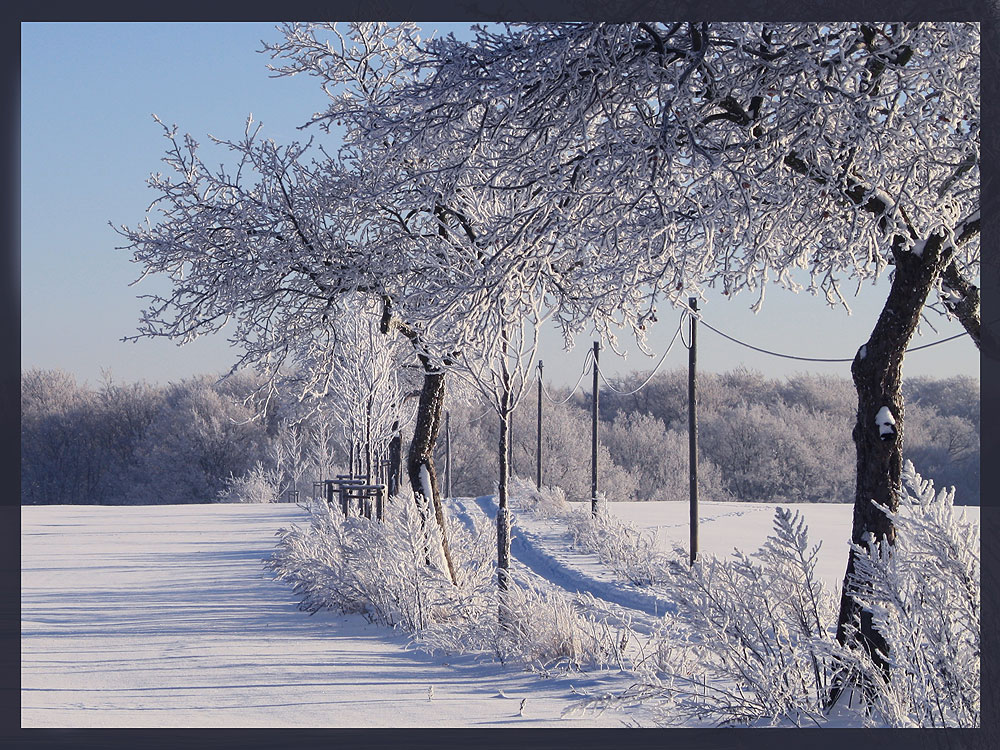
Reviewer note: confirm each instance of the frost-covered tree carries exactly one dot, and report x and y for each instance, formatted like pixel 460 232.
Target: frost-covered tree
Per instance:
pixel 732 155
pixel 280 244
pixel 361 386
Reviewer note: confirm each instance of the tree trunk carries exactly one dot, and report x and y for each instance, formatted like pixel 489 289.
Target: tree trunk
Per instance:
pixel 420 467
pixel 877 373
pixel 503 509
pixel 395 461
pixel 420 458
pixel 503 494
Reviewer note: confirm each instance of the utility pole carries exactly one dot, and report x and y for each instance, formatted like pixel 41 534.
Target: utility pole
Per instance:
pixel 538 452
pixel 368 440
pixel 510 442
pixel 693 428
pixel 593 437
pixel 447 454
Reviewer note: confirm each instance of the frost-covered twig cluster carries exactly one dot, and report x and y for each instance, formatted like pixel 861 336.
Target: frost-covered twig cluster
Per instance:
pixel 381 570
pixel 633 555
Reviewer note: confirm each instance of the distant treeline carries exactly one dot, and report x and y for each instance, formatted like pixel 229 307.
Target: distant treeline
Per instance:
pixel 760 439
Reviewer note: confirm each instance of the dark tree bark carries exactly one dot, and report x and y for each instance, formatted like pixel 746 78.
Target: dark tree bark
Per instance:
pixel 877 374
pixel 395 461
pixel 503 494
pixel 503 510
pixel 420 457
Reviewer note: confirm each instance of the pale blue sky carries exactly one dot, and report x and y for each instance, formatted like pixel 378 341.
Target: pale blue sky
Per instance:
pixel 88 142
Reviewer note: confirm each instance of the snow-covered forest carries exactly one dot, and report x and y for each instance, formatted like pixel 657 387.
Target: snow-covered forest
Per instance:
pixel 761 440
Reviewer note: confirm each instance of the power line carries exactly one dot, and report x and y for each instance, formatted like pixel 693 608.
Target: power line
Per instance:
pixel 680 332
pixel 651 374
pixel 935 343
pixel 584 371
pixel 767 351
pixel 813 359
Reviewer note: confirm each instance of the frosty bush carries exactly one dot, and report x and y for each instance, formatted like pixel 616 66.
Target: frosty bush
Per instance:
pixel 259 485
pixel 387 571
pixel 545 502
pixel 761 618
pixel 381 570
pixel 924 594
pixel 632 554
pixel 761 627
pixel 542 628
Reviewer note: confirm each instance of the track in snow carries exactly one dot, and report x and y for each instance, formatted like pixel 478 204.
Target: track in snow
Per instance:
pixel 542 546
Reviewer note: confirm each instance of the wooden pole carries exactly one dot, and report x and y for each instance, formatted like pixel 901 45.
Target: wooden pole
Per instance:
pixel 593 436
pixel 368 440
pixel 693 429
pixel 447 454
pixel 538 452
pixel 510 443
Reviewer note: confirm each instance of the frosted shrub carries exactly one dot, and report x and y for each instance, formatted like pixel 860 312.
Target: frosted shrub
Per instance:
pixel 761 618
pixel 259 485
pixel 761 628
pixel 381 570
pixel 543 628
pixel 924 594
pixel 544 502
pixel 631 553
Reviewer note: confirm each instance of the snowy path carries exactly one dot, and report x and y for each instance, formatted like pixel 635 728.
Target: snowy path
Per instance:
pixel 542 546
pixel 163 616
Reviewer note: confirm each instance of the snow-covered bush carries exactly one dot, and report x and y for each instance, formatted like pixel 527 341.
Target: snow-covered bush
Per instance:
pixel 544 502
pixel 924 595
pixel 765 621
pixel 632 554
pixel 387 571
pixel 259 485
pixel 761 627
pixel 381 570
pixel 751 634
pixel 538 626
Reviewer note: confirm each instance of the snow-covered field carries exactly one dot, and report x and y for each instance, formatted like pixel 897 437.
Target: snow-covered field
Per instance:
pixel 158 616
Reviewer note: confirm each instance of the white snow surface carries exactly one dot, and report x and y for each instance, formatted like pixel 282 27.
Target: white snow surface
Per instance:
pixel 163 616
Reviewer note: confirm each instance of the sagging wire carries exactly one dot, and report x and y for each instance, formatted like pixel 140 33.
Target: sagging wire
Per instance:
pixel 670 346
pixel 814 359
pixel 583 372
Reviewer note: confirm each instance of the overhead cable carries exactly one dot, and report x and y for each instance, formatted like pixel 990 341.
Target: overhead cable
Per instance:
pixel 584 371
pixel 651 374
pixel 815 359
